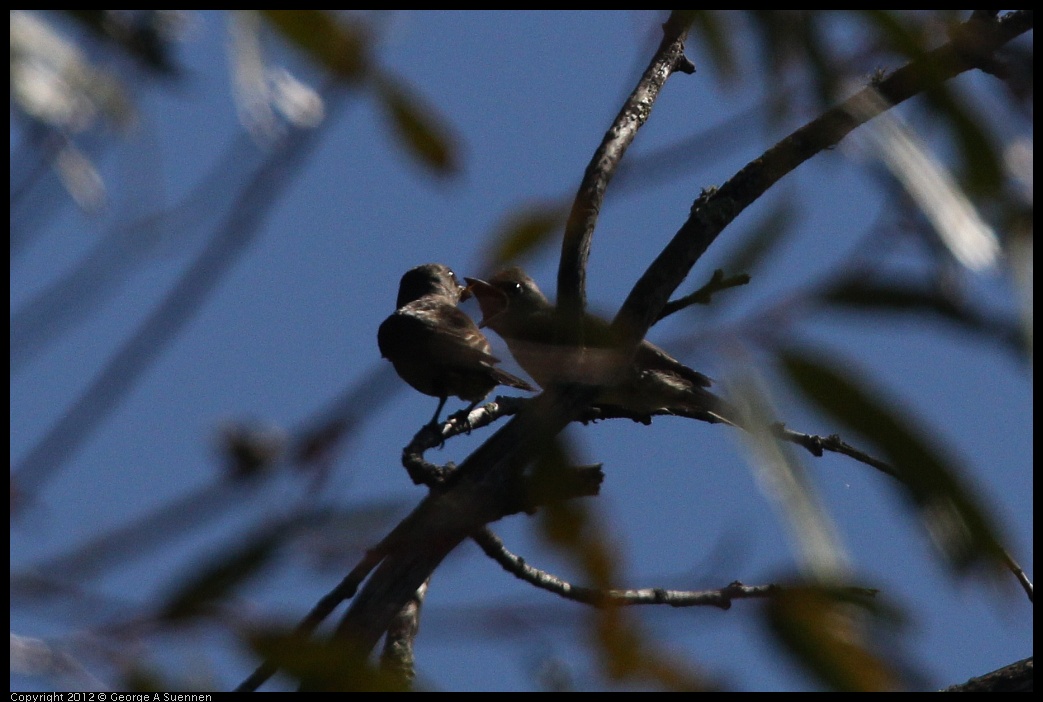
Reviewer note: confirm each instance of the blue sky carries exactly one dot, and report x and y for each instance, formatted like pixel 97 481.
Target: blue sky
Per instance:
pixel 293 324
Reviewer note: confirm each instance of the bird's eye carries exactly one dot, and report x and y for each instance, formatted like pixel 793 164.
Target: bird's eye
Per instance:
pixel 517 288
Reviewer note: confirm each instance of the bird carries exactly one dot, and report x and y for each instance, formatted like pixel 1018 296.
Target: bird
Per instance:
pixel 555 350
pixel 436 347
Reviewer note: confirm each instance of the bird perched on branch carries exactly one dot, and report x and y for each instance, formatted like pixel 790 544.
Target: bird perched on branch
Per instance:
pixel 434 346
pixel 552 349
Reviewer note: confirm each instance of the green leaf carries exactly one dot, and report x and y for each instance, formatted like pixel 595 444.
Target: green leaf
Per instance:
pixel 419 129
pixel 826 629
pixel 323 664
pixel 527 229
pixel 220 578
pixel 337 46
pixel 952 515
pixel 717 34
pixel 871 296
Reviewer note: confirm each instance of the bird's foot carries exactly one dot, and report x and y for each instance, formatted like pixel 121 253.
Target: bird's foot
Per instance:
pixel 463 418
pixel 435 430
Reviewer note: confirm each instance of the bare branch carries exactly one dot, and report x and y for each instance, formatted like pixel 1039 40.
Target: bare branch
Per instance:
pixel 483 489
pixel 714 209
pixel 579 230
pixel 397 658
pixel 705 294
pixel 322 609
pixel 722 598
pixel 1016 677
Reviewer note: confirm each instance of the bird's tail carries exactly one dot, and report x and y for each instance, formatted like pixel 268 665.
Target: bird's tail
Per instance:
pixel 505 378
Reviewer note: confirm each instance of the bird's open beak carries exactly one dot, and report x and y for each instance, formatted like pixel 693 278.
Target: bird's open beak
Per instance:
pixel 491 299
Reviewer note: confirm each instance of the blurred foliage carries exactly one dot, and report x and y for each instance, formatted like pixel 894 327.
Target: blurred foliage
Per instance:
pixel 54 82
pixel 322 665
pixel 763 237
pixel 828 629
pixel 144 35
pixel 526 230
pixel 952 513
pixel 418 129
pixel 626 652
pixel 76 79
pixel 340 47
pixel 216 581
pixel 923 300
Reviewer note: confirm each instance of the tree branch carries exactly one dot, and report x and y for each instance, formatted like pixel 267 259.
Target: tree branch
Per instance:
pixel 579 229
pixel 483 489
pixel 974 41
pixel 703 295
pixel 397 659
pixel 1016 677
pixel 722 598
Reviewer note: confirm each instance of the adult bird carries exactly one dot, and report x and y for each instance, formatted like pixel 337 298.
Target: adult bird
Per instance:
pixel 434 346
pixel 552 349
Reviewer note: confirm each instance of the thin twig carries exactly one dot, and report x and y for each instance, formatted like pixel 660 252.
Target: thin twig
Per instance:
pixel 722 598
pixel 705 294
pixel 1019 573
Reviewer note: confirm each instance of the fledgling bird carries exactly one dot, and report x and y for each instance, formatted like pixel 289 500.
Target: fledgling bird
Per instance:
pixel 549 349
pixel 434 346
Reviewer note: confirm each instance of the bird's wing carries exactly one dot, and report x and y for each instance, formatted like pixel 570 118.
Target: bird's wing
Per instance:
pixel 444 332
pixel 651 357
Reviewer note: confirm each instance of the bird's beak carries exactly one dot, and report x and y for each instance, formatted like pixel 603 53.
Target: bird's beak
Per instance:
pixel 491 299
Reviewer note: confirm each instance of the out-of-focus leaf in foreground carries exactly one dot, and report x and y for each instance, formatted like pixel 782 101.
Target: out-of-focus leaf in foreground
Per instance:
pixel 336 45
pixel 323 664
pixel 865 296
pixel 826 629
pixel 626 653
pixel 423 134
pixel 953 516
pixel 525 230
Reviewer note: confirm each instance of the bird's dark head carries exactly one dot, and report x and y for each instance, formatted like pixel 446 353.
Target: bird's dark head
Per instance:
pixel 508 296
pixel 429 279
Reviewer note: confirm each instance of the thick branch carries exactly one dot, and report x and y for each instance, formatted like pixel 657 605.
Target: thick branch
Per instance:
pixel 397 659
pixel 482 490
pixel 1016 677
